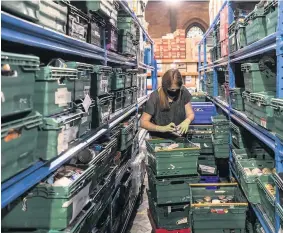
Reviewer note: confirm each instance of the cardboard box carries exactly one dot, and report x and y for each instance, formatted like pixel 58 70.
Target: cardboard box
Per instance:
pixel 190 81
pixel 192 67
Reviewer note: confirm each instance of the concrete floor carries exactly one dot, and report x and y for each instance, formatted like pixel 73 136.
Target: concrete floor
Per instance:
pixel 141 223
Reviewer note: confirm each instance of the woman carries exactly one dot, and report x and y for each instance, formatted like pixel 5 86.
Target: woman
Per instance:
pixel 168 110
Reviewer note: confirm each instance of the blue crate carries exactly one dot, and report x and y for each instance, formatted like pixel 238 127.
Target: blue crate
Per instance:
pixel 203 112
pixel 211 180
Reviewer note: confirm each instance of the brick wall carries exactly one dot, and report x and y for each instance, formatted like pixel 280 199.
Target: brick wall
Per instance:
pixel 165 17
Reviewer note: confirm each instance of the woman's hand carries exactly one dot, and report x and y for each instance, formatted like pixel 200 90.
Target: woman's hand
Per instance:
pixel 167 128
pixel 184 126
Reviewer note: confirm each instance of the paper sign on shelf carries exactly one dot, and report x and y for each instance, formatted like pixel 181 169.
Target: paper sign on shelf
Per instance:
pixel 86 103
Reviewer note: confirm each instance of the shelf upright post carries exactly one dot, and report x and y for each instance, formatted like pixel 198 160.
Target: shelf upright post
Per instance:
pixel 204 53
pixel 199 67
pixel 104 46
pixel 153 72
pixel 279 52
pixel 215 82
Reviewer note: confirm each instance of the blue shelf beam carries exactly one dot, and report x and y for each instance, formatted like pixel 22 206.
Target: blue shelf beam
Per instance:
pixel 20 31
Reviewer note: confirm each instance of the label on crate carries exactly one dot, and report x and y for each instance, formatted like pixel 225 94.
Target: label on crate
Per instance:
pixel 86 103
pixel 197 144
pixel 2 97
pixel 263 122
pixel 259 104
pixel 97 33
pixel 207 169
pixel 65 136
pixel 205 145
pixel 182 221
pixel 86 90
pixel 79 201
pixel 84 119
pixel 62 97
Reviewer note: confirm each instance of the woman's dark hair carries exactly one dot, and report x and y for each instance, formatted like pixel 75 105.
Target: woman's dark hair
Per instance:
pixel 171 76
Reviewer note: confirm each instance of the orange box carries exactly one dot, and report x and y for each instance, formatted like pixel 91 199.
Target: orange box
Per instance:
pixel 190 81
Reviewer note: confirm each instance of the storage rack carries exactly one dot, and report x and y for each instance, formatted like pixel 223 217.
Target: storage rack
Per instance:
pixel 23 32
pixel 272 42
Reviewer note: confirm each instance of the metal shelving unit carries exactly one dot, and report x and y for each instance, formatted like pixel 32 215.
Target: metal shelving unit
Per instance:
pixel 19 31
pixel 270 43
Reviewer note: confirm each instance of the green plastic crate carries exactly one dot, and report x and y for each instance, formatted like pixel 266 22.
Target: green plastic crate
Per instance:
pixel 241 35
pixel 220 127
pixel 86 118
pixel 128 25
pixel 18 144
pixel 100 80
pixel 102 111
pixel 271 14
pixel 57 20
pixel 262 110
pixel 248 182
pixel 221 147
pixel 127 136
pixel 209 77
pixel 61 204
pixel 213 217
pixel 17 71
pixel 257 80
pixel 135 95
pixel 118 97
pixel 128 98
pixel 128 79
pixel 255 26
pixel 200 129
pixel 279 211
pixel 232 37
pixel 207 165
pixel 180 161
pixel 118 78
pixel 126 44
pixel 101 7
pixel 266 198
pixel 54 90
pixel 82 84
pixel 237 134
pixel 203 141
pixel 170 190
pixel 259 228
pixel 169 217
pixel 248 105
pixel 198 97
pixel 209 90
pixel 277 105
pixel 236 98
pixel 57 133
pixel 27 9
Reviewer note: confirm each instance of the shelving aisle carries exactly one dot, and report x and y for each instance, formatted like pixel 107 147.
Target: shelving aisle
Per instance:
pixel 25 37
pixel 270 44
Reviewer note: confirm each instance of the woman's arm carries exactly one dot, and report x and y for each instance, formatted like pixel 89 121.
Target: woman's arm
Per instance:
pixel 148 125
pixel 189 112
pixel 184 126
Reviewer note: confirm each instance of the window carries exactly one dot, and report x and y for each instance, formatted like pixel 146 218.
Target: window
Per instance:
pixel 194 31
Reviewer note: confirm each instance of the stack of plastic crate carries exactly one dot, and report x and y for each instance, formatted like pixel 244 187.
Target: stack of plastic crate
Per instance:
pixel 172 166
pixel 222 209
pixel 200 135
pixel 128 38
pixel 20 122
pixel 260 88
pixel 100 92
pixel 86 183
pixel 220 137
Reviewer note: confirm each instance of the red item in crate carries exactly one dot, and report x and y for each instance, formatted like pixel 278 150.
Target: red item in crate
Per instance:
pixel 224 48
pixel 161 230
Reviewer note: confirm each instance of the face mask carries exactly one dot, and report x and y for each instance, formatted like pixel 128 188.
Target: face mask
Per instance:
pixel 173 94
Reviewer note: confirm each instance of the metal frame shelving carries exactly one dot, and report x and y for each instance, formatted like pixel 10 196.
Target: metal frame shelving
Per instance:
pixel 272 42
pixel 14 29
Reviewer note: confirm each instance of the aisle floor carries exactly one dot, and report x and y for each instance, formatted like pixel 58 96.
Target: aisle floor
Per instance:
pixel 141 223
